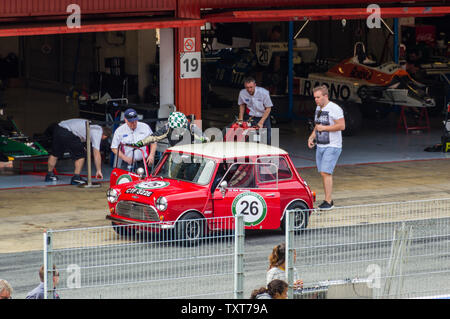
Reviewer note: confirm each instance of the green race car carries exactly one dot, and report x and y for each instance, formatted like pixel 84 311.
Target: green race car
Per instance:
pixel 15 145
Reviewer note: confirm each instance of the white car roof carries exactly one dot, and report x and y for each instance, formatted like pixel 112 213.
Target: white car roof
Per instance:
pixel 228 149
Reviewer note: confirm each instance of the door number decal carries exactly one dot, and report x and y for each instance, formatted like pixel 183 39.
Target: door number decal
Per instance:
pixel 252 206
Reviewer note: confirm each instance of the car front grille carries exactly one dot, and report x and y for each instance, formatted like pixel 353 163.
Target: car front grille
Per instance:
pixel 136 210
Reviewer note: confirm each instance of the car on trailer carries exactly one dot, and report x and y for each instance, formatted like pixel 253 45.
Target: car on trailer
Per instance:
pixel 193 183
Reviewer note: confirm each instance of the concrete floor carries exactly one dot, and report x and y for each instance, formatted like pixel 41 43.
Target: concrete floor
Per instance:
pixel 380 164
pixel 378 142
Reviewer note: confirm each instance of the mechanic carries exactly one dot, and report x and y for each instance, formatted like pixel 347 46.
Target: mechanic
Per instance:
pixel 131 132
pixel 70 135
pixel 177 121
pixel 255 102
pixel 329 124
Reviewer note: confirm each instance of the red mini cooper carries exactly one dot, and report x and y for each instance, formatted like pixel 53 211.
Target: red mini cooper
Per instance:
pixel 196 182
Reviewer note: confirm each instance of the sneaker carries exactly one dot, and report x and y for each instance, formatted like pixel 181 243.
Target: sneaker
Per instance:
pixel 51 177
pixel 77 180
pixel 326 206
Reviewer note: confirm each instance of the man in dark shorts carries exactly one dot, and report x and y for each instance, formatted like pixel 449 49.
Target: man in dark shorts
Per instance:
pixel 70 136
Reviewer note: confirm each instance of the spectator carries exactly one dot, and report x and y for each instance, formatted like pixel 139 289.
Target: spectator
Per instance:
pixel 129 133
pixel 70 135
pixel 277 266
pixel 276 289
pixel 327 134
pixel 38 292
pixel 5 289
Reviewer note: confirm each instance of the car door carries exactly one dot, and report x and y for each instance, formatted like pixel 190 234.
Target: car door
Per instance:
pixel 241 195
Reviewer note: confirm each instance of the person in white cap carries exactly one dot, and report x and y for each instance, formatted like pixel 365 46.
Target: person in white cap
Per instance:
pixel 128 133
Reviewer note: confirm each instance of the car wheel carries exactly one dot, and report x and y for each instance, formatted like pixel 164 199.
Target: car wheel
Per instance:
pixel 363 93
pixel 301 218
pixel 190 229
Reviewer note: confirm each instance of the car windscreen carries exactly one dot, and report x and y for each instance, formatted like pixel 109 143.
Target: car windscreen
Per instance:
pixel 187 167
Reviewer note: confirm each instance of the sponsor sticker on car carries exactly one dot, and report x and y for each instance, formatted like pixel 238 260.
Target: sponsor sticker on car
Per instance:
pixel 252 206
pixel 152 185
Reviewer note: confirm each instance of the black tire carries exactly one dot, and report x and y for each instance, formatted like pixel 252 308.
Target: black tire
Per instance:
pixel 190 229
pixel 3 158
pixel 301 219
pixel 363 93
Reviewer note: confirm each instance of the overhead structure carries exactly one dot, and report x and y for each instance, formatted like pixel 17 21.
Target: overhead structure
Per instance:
pixel 184 17
pixel 323 14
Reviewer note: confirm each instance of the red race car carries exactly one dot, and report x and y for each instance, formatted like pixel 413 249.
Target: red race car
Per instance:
pixel 196 182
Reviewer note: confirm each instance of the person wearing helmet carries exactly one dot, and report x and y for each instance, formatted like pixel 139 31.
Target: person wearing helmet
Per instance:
pixel 175 130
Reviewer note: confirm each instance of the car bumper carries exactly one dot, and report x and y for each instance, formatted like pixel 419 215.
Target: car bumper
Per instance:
pixel 154 226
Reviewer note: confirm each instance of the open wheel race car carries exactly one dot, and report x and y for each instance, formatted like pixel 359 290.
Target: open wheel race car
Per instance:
pixel 14 145
pixel 194 182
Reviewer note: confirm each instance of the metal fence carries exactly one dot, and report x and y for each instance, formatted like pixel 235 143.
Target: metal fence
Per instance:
pixel 131 261
pixel 389 250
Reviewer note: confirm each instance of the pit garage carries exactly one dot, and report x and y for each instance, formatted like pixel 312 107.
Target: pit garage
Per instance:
pixel 120 57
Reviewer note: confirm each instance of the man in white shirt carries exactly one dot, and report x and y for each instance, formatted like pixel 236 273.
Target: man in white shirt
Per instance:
pixel 255 102
pixel 70 136
pixel 130 133
pixel 327 134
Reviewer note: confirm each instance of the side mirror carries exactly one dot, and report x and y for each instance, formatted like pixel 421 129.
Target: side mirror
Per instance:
pixel 223 187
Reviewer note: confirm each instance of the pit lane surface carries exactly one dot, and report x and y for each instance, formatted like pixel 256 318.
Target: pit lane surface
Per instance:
pixel 27 213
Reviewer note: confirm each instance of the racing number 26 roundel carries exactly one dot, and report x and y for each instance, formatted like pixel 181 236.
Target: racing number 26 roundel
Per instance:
pixel 252 206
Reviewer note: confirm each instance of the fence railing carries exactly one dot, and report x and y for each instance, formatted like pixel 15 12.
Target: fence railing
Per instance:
pixel 391 250
pixel 388 250
pixel 132 261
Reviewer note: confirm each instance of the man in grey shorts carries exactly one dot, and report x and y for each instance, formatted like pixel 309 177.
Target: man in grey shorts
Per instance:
pixel 327 134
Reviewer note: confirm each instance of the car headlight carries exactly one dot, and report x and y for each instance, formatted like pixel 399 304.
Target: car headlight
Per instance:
pixel 161 203
pixel 112 195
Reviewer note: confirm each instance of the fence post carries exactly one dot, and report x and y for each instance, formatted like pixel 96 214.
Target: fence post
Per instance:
pixel 239 239
pixel 48 265
pixel 290 252
pixel 88 159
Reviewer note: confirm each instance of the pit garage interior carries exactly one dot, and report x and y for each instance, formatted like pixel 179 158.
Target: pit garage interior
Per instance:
pixel 52 71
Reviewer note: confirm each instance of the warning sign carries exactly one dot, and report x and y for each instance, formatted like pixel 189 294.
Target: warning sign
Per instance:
pixel 189 44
